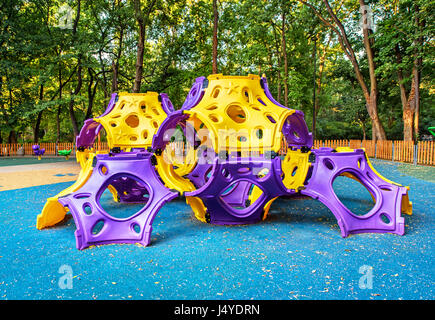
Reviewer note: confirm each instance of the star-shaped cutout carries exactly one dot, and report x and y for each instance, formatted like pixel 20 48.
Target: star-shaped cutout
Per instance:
pixel 231 88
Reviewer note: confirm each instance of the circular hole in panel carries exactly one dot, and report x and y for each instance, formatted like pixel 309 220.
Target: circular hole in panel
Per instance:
pixel 328 163
pixel 263 172
pixel 97 227
pixel 242 139
pixel 133 196
pixel 132 121
pixel 103 169
pixel 353 194
pixel 270 118
pixel 259 133
pixel 226 173
pixel 212 107
pixel 135 227
pixel 243 170
pixel 215 92
pixel 213 118
pixel 245 93
pixel 236 113
pixel 145 134
pixel 243 189
pixel 87 209
pixel 156 112
pixel 385 218
pixel 82 195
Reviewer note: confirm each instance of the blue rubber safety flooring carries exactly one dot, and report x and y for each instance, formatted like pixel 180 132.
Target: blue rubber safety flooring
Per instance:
pixel 297 253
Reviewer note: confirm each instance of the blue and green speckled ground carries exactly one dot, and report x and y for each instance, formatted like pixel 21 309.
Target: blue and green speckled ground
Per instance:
pixel 297 253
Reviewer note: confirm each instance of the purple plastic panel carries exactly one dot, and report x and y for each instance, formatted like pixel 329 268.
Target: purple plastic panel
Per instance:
pixel 166 103
pixel 112 102
pixel 230 174
pixel 88 133
pixel 195 94
pixel 295 128
pixel 296 132
pixel 237 196
pixel 165 131
pixel 87 211
pixel 385 216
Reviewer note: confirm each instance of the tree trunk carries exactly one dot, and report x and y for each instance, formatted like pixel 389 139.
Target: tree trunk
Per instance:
pixel 12 137
pixel 115 68
pixel 79 74
pixel 38 118
pixel 378 132
pixel 215 40
pixel 408 100
pixel 278 54
pixel 59 108
pixel 284 54
pixel 115 62
pixel 139 57
pixel 141 19
pixel 71 102
pixel 416 72
pixel 363 127
pixel 322 60
pixel 91 94
pixel 370 95
pixel 408 124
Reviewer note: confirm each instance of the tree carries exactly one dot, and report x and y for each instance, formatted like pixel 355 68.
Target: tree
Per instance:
pixel 142 16
pixel 370 93
pixel 215 35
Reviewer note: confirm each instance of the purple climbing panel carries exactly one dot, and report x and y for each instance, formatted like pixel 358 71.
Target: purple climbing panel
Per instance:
pixel 84 204
pixel 195 94
pixel 112 102
pixel 240 173
pixel 88 133
pixel 166 103
pixel 295 129
pixel 166 129
pixel 384 217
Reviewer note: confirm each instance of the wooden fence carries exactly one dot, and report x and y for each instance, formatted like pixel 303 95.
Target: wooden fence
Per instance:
pixel 401 151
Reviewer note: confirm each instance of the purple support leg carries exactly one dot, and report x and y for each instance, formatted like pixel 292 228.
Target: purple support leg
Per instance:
pixel 87 211
pixel 384 217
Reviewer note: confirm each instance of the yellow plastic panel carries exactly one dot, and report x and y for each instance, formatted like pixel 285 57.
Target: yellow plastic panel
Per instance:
pixel 239 115
pixel 133 120
pixel 198 207
pixel 295 168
